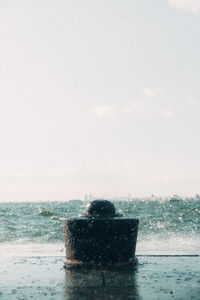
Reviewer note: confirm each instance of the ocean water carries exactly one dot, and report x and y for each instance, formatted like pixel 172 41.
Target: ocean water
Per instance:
pixel 35 229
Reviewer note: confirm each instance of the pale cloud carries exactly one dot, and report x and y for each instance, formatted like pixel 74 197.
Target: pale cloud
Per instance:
pixel 121 164
pixel 104 111
pixel 132 106
pixel 168 113
pixel 148 92
pixel 188 5
pixel 126 109
pixel 143 107
pixel 135 103
pixel 192 101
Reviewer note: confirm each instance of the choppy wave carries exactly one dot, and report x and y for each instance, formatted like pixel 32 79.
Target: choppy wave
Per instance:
pixel 165 226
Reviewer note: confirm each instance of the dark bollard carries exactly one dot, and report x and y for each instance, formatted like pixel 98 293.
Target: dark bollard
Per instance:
pixel 100 239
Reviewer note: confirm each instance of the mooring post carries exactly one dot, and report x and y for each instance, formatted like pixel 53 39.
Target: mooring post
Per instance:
pixel 100 239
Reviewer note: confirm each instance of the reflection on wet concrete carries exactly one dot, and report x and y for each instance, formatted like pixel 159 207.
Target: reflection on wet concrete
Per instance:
pixel 164 278
pixel 101 285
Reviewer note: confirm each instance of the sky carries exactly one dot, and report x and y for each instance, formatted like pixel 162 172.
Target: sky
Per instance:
pixel 99 97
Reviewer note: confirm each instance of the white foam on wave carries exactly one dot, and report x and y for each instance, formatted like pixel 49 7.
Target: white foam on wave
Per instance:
pixel 145 246
pixel 31 249
pixel 170 246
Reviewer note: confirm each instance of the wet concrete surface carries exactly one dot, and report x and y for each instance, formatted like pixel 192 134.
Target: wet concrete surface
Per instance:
pixel 156 277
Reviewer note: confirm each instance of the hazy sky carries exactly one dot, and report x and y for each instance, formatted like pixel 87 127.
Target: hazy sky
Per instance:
pixel 99 97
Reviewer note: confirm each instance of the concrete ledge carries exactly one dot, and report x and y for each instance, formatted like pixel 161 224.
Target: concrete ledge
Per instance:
pixel 156 277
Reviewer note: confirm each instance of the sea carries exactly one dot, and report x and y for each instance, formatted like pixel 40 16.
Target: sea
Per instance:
pixel 167 226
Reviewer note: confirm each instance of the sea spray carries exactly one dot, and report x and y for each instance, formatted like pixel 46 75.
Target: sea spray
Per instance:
pixel 168 227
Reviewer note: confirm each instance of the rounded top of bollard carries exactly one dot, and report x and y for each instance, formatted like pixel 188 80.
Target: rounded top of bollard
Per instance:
pixel 100 209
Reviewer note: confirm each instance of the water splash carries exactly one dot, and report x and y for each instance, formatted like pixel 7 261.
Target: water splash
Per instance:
pixel 165 227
